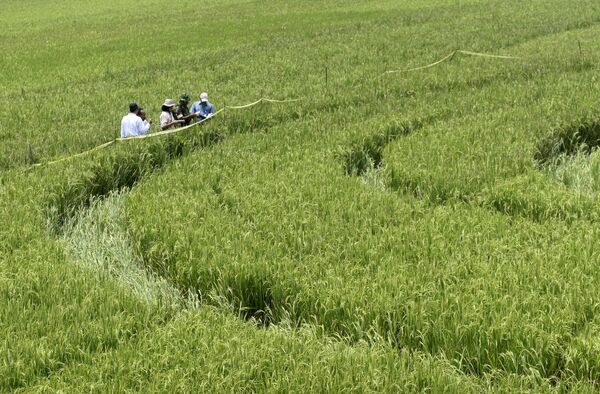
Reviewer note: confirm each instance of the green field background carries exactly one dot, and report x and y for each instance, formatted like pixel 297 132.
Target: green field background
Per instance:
pixel 433 230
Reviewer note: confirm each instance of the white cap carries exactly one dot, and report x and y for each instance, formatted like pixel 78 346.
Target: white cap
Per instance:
pixel 204 97
pixel 169 103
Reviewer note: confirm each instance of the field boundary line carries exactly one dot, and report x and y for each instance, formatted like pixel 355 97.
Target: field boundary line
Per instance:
pixel 449 57
pixel 160 133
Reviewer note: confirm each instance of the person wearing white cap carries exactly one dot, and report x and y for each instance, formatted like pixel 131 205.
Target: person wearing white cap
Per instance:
pixel 167 120
pixel 203 109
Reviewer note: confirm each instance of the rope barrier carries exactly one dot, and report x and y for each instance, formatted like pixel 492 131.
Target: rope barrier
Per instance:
pixel 160 133
pixel 244 106
pixel 263 99
pixel 488 55
pixel 280 101
pixel 422 67
pixel 449 57
pixel 106 144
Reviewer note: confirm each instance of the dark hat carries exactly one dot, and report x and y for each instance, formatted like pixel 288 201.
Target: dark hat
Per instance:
pixel 133 107
pixel 184 97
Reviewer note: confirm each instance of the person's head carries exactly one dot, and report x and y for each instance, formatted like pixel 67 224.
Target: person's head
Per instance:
pixel 184 99
pixel 168 105
pixel 134 108
pixel 141 113
pixel 204 97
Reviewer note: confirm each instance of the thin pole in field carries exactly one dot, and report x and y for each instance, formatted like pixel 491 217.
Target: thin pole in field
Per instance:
pixel 30 153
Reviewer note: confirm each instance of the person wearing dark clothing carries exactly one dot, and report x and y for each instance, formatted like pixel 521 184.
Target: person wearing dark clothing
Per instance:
pixel 181 111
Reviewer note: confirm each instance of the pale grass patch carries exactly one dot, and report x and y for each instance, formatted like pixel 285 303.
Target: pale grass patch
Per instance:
pixel 580 172
pixel 96 239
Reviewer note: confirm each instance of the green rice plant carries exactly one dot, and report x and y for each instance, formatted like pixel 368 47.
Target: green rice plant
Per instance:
pixel 534 196
pixel 207 351
pixel 125 167
pixel 53 313
pixel 310 264
pixel 477 272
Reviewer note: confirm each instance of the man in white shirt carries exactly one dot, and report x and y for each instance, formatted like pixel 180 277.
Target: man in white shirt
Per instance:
pixel 132 124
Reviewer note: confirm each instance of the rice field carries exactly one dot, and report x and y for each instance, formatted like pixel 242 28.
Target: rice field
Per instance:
pixel 431 230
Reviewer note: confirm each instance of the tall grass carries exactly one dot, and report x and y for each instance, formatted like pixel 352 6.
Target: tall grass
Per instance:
pixel 464 269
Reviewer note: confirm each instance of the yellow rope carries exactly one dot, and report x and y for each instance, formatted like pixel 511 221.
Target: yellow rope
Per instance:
pixel 487 55
pixel 261 100
pixel 449 57
pixel 245 106
pixel 77 155
pixel 120 139
pixel 280 101
pixel 422 67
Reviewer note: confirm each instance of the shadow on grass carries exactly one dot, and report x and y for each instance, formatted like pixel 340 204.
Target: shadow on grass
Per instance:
pixel 581 137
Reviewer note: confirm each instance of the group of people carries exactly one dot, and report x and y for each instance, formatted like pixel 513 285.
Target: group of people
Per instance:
pixel 135 122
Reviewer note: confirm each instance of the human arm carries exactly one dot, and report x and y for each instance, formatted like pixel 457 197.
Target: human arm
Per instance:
pixel 167 125
pixel 195 110
pixel 142 126
pixel 185 118
pixel 166 121
pixel 191 115
pixel 123 128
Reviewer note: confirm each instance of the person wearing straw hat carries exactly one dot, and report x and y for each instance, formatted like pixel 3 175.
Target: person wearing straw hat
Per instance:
pixel 133 124
pixel 181 111
pixel 203 108
pixel 167 120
